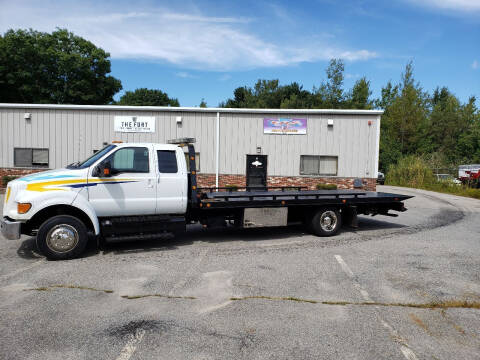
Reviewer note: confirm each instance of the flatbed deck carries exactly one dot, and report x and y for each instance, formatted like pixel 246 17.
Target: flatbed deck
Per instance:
pixel 229 199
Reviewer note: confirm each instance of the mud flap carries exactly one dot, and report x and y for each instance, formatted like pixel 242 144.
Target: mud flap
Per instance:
pixel 349 216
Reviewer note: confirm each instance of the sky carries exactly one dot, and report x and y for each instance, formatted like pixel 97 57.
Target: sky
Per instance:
pixel 205 49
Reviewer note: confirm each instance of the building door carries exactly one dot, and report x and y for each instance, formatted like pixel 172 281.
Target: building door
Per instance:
pixel 257 170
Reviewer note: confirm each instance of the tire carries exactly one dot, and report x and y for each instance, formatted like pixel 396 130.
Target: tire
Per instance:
pixel 62 237
pixel 326 222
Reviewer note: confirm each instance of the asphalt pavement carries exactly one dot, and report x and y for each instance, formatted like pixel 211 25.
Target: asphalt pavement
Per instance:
pixel 395 288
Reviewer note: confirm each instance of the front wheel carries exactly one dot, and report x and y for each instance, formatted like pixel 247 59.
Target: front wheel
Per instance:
pixel 326 222
pixel 62 237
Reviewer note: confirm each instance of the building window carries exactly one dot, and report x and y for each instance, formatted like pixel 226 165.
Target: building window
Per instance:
pixel 28 157
pixel 167 161
pixel 318 165
pixel 197 161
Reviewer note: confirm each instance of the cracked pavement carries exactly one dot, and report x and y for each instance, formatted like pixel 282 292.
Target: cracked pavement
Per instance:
pixel 409 288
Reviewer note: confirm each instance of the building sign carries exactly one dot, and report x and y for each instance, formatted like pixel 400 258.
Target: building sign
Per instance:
pixel 284 126
pixel 135 124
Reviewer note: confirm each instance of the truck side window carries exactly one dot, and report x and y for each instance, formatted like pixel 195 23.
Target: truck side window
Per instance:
pixel 167 161
pixel 134 159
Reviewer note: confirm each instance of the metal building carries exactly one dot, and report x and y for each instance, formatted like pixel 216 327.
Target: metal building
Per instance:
pixel 235 146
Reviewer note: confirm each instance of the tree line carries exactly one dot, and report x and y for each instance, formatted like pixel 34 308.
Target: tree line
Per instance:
pixel 62 68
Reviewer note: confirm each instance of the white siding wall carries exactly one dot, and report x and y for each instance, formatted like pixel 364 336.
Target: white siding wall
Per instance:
pixel 72 135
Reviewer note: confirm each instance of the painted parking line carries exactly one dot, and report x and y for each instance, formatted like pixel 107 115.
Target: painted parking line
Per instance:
pixel 131 345
pixel 404 347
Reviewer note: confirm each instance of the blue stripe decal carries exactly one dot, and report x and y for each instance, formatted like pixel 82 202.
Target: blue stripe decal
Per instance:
pixel 46 177
pixel 95 184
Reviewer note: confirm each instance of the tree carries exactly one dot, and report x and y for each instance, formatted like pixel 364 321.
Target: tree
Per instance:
pixel 203 104
pixel 58 68
pixel 359 96
pixel 334 85
pixel 147 97
pixel 405 118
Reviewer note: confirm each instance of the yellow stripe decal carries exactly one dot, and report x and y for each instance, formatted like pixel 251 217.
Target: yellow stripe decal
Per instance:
pixel 9 191
pixel 58 184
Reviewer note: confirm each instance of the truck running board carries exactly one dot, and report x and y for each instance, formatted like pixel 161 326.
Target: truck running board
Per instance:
pixel 125 238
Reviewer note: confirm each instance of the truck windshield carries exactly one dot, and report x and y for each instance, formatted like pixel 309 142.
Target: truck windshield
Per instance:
pixel 86 163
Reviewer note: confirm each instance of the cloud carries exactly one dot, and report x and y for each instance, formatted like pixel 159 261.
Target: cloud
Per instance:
pixel 185 75
pixel 351 76
pixel 475 65
pixel 455 5
pixel 225 77
pixel 187 39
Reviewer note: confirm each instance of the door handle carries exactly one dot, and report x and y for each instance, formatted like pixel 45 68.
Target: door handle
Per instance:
pixel 150 183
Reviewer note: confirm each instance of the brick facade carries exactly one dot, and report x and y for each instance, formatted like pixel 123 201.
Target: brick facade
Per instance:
pixel 208 180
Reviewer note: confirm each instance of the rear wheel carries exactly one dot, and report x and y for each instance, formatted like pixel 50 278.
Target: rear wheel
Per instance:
pixel 62 237
pixel 326 222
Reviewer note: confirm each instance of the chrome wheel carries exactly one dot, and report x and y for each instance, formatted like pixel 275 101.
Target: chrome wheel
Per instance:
pixel 62 238
pixel 328 220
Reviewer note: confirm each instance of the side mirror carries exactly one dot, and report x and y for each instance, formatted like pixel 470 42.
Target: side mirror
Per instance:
pixel 102 170
pixel 96 171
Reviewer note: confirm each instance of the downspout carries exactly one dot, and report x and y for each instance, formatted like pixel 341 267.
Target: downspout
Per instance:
pixel 377 147
pixel 217 149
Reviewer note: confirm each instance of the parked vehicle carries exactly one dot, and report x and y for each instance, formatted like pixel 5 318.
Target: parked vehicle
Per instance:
pixel 131 191
pixel 469 175
pixel 448 178
pixel 381 178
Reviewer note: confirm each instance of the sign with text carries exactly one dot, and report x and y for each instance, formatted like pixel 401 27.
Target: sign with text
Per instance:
pixel 135 124
pixel 284 126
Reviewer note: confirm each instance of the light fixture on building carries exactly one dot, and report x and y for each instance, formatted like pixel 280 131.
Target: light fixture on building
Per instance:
pixel 330 122
pixel 27 116
pixel 259 149
pixel 178 119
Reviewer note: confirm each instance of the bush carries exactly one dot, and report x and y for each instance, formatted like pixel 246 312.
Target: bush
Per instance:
pixel 326 187
pixel 410 171
pixel 232 187
pixel 7 178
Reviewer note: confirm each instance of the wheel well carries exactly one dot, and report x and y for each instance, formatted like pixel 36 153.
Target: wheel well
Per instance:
pixel 40 217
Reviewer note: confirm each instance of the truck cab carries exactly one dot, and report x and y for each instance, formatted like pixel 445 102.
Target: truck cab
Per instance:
pixel 122 180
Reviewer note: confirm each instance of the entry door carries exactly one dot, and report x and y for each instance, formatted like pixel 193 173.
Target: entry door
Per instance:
pixel 257 170
pixel 131 188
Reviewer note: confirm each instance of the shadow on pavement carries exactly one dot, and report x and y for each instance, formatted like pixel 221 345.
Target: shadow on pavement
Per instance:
pixel 28 249
pixel 196 233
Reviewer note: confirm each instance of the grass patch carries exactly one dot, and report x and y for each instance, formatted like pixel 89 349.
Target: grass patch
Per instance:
pixel 133 297
pixel 51 287
pixel 448 304
pixel 414 172
pixel 289 298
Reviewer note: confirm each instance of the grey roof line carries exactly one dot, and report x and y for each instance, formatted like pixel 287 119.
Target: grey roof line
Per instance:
pixel 190 109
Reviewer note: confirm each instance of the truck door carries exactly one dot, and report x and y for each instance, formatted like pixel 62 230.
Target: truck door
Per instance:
pixel 172 180
pixel 130 188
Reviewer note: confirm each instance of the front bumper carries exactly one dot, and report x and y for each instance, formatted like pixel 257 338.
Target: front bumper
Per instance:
pixel 10 229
